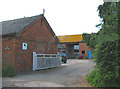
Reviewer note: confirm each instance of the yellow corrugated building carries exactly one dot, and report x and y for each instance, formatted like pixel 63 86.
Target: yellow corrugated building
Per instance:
pixel 70 38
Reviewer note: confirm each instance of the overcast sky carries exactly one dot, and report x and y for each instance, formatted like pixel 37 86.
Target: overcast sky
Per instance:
pixel 66 17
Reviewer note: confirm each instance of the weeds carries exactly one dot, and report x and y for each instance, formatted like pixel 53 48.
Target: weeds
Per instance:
pixel 8 71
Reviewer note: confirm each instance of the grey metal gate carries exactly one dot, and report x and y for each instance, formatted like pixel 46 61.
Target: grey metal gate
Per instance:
pixel 44 61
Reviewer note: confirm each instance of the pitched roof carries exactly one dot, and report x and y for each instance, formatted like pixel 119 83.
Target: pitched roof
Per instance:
pixel 15 26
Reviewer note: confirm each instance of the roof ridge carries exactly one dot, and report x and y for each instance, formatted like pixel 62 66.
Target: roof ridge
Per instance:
pixel 21 18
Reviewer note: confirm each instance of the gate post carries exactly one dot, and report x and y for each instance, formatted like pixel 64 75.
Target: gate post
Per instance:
pixel 34 61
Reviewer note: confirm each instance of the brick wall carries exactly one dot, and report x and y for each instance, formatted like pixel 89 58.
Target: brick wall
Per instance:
pixel 8 50
pixel 83 46
pixel 38 38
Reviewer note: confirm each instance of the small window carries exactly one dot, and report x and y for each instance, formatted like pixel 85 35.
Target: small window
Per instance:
pixel 83 51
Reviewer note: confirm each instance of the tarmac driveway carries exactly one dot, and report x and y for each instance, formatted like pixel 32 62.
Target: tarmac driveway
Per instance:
pixel 68 75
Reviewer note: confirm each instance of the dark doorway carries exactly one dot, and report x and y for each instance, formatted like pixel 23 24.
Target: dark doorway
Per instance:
pixel 83 51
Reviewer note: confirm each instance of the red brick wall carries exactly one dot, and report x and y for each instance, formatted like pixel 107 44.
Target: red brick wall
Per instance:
pixel 83 46
pixel 39 39
pixel 8 54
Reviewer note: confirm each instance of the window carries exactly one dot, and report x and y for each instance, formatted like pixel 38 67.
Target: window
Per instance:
pixel 83 51
pixel 76 47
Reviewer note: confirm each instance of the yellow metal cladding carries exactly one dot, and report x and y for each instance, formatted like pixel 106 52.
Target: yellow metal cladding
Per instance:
pixel 70 38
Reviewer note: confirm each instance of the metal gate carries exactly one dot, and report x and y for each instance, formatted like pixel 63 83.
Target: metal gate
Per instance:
pixel 44 61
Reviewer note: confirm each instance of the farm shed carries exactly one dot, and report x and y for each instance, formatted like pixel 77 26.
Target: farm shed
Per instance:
pixel 21 37
pixel 75 46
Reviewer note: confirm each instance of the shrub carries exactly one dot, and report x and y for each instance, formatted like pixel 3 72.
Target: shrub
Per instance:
pixel 8 71
pixel 107 73
pixel 94 78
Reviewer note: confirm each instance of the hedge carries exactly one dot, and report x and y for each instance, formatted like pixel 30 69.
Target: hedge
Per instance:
pixel 107 73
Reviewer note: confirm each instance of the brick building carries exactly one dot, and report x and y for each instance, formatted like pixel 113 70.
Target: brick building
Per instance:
pixel 22 37
pixel 75 46
pixel 83 50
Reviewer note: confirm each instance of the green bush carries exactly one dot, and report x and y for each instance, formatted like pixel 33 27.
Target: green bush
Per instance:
pixel 105 47
pixel 94 79
pixel 107 73
pixel 8 71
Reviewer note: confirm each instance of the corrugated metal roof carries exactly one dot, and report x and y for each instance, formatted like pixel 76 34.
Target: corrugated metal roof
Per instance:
pixel 14 26
pixel 70 38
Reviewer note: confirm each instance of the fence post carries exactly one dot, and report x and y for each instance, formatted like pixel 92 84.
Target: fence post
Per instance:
pixel 34 61
pixel 60 60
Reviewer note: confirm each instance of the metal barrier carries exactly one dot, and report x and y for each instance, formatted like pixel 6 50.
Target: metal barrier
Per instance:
pixel 44 61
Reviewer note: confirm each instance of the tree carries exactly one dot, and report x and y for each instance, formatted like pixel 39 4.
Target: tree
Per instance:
pixel 109 14
pixel 106 48
pixel 86 38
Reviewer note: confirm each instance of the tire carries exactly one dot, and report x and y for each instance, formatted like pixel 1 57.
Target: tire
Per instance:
pixel 65 62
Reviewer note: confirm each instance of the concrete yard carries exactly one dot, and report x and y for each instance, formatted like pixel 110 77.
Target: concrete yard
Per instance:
pixel 71 74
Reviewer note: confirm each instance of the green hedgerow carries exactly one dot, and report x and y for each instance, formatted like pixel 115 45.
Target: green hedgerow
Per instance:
pixel 107 72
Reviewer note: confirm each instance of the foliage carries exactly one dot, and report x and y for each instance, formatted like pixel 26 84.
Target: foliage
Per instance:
pixel 8 71
pixel 107 73
pixel 95 79
pixel 93 41
pixel 90 39
pixel 86 38
pixel 109 25
pixel 109 14
pixel 105 47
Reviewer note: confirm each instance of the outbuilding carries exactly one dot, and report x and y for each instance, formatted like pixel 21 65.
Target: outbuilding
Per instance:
pixel 21 37
pixel 75 46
